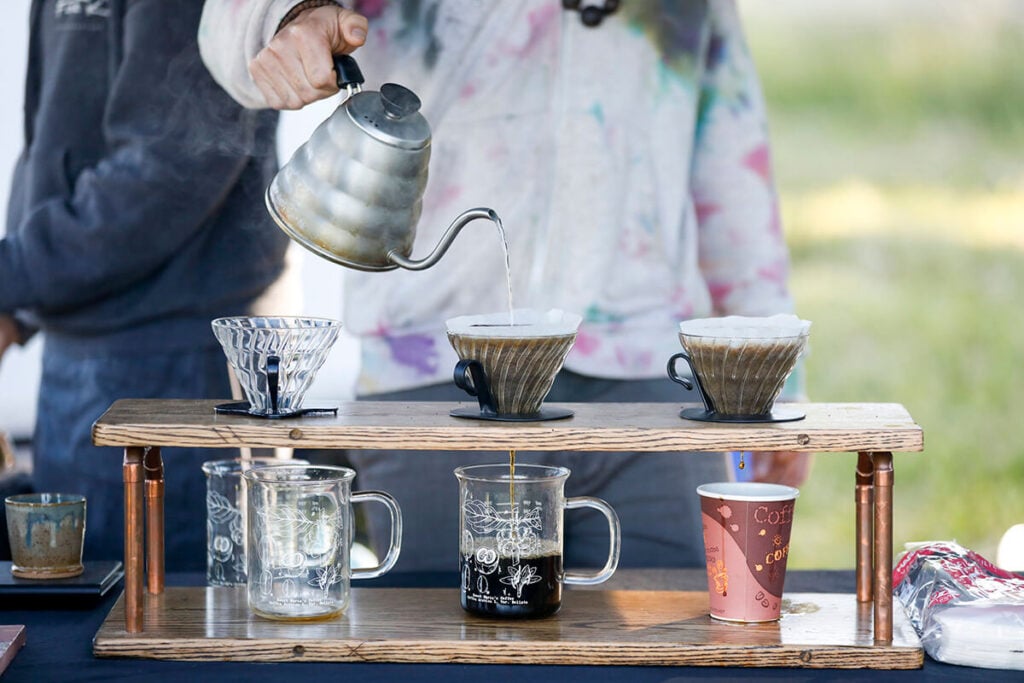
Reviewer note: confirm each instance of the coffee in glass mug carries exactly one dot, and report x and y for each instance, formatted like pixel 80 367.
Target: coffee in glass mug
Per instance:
pixel 510 551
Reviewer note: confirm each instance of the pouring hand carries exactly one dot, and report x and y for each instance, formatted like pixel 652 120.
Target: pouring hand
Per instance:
pixel 296 67
pixel 781 467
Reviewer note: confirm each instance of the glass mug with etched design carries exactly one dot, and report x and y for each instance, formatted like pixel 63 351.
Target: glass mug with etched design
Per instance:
pixel 300 536
pixel 510 552
pixel 226 518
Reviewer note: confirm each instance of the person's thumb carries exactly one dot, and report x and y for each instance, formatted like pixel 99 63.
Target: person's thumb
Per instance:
pixel 352 28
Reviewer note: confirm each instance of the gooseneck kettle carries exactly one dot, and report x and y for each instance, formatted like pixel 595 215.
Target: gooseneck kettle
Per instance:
pixel 354 191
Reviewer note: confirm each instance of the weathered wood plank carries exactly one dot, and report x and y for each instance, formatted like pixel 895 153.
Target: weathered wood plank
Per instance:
pixel 828 427
pixel 12 639
pixel 611 627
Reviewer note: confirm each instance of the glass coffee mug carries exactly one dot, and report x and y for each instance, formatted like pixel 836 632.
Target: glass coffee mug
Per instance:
pixel 300 535
pixel 226 518
pixel 510 553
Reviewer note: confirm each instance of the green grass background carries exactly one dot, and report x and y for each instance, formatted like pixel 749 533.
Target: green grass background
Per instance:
pixel 899 152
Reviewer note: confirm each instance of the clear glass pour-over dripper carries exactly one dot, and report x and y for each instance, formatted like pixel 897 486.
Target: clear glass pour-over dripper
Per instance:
pixel 275 358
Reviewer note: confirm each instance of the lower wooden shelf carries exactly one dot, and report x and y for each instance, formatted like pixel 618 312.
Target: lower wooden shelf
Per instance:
pixel 594 627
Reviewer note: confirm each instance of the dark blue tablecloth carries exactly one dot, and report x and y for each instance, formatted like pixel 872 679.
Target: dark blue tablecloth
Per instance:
pixel 59 648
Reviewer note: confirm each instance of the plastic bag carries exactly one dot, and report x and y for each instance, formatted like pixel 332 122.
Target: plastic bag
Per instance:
pixel 966 610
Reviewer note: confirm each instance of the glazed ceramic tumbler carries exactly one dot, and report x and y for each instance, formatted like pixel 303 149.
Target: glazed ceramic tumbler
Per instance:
pixel 46 532
pixel 746 545
pixel 300 538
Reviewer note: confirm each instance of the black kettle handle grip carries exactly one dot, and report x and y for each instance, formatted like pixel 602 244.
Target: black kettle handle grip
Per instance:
pixel 348 71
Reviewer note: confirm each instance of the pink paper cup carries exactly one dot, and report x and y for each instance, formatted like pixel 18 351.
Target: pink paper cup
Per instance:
pixel 746 545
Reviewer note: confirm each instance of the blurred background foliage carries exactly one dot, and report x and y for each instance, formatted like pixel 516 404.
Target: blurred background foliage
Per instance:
pixel 898 133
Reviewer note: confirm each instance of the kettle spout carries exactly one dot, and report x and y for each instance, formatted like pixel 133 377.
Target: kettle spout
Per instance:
pixel 446 240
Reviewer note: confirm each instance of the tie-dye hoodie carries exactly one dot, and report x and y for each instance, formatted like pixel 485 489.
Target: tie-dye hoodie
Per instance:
pixel 629 163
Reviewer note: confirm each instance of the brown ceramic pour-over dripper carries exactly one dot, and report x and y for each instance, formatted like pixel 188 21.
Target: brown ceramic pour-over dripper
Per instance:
pixel 509 368
pixel 739 365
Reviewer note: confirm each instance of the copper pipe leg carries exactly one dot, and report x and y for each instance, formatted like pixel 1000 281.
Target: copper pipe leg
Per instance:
pixel 133 538
pixel 864 497
pixel 154 468
pixel 883 547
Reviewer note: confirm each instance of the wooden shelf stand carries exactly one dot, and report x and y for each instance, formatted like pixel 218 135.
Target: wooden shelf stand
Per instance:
pixel 142 426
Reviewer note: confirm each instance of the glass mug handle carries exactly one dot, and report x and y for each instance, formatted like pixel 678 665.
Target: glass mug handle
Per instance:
pixel 614 532
pixel 395 546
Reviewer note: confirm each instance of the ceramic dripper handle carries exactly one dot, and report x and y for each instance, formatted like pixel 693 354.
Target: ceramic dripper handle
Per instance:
pixel 471 378
pixel 273 375
pixel 674 375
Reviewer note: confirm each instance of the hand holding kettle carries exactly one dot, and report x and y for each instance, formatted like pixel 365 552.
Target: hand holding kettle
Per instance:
pixel 353 193
pixel 295 68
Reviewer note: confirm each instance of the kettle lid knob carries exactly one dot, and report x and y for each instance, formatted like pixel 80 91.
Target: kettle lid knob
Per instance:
pixel 398 101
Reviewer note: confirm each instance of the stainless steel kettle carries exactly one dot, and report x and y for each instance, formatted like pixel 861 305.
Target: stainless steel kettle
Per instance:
pixel 354 191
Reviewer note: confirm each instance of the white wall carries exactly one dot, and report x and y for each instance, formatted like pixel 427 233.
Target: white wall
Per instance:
pixel 19 369
pixel 320 280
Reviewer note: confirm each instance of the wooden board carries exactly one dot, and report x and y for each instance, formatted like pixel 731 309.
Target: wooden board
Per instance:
pixel 817 630
pixel 835 427
pixel 12 638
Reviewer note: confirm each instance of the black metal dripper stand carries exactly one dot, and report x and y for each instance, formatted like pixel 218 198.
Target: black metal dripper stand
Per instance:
pixel 471 378
pixel 273 371
pixel 778 413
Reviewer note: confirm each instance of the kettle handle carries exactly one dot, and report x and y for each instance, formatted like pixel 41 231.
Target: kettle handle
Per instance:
pixel 349 74
pixel 446 240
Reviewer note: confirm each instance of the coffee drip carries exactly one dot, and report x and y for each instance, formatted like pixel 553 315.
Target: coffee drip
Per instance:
pixel 512 482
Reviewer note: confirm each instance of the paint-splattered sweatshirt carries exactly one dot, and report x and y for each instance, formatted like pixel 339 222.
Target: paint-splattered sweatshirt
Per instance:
pixel 629 162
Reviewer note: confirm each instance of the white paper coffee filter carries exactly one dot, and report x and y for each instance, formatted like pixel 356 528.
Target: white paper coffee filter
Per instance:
pixel 748 491
pixel 743 327
pixel 529 322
